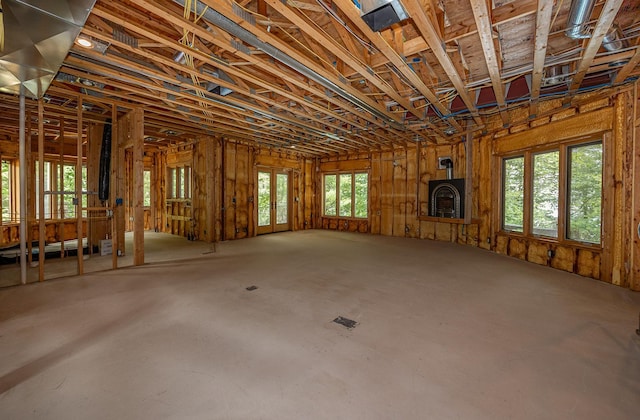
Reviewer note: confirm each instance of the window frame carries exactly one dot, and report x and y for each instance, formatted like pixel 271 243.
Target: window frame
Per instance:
pixel 563 147
pixel 13 175
pixel 337 175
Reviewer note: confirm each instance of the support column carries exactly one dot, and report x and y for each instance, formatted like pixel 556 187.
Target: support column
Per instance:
pixel 634 273
pixel 79 189
pixel 41 218
pixel 137 133
pixel 23 192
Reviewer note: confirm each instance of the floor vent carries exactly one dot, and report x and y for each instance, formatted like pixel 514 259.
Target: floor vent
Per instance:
pixel 349 323
pixel 252 288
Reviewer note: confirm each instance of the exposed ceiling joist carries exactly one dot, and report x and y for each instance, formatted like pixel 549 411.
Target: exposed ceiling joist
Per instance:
pixel 485 32
pixel 543 25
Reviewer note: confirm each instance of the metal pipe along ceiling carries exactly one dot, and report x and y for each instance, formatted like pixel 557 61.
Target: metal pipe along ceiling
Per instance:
pixel 239 32
pixel 579 15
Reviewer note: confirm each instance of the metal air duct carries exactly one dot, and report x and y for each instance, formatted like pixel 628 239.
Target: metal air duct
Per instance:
pixel 579 15
pixel 38 34
pixel 614 39
pixel 221 21
pixel 380 14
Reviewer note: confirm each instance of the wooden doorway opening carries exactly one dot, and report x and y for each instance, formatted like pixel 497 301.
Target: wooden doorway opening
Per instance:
pixel 274 208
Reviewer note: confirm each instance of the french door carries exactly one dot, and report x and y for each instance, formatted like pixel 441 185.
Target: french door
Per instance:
pixel 273 201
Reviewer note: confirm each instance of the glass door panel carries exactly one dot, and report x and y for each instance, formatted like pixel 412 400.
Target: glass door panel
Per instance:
pixel 264 198
pixel 273 201
pixel 282 202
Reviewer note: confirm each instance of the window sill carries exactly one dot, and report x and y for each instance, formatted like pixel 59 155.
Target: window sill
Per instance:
pixel 448 220
pixel 356 219
pixel 552 241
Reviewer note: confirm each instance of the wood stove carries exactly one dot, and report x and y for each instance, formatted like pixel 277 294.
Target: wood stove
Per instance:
pixel 446 198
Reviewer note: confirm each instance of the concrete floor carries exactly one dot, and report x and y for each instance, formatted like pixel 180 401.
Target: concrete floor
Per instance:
pixel 159 247
pixel 444 331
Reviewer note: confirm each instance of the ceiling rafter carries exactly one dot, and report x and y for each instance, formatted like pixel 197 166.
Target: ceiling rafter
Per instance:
pixel 500 15
pixel 349 9
pixel 630 66
pixel 429 33
pixel 189 103
pixel 223 40
pixel 199 54
pixel 543 25
pixel 485 32
pixel 609 12
pixel 224 7
pixel 345 56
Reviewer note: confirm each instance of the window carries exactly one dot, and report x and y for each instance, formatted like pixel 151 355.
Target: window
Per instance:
pixel 346 195
pixel 330 194
pixel 48 209
pixel 361 198
pixel 584 206
pixel 146 188
pixel 546 174
pixel 7 196
pixel 552 189
pixel 513 197
pixel 67 184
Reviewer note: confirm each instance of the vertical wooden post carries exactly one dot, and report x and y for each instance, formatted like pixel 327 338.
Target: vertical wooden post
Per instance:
pixel 30 209
pixel 153 180
pixel 60 187
pixel 618 201
pixel 468 176
pixel 41 226
pixel 634 272
pixel 23 191
pixel 137 128
pixel 563 172
pixel 79 189
pixel 96 226
pixel 212 207
pixel 113 187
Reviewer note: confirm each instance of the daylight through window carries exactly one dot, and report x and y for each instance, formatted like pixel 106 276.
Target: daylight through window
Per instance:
pixel 563 189
pixel 346 195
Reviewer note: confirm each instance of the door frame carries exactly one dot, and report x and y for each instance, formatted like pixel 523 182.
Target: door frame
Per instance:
pixel 273 227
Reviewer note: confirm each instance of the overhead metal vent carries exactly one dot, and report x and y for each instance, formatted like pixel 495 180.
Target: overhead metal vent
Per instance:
pixel 579 15
pixel 38 34
pixel 380 14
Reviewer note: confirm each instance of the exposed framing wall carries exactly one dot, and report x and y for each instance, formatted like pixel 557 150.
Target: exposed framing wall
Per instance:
pixel 399 182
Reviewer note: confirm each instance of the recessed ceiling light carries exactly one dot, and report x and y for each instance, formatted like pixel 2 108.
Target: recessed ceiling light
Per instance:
pixel 84 42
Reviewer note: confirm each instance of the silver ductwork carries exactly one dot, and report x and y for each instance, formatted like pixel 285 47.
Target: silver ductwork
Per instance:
pixel 221 21
pixel 614 39
pixel 579 15
pixel 380 14
pixel 38 34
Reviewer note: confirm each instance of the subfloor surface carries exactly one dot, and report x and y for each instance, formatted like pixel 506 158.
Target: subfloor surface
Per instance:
pixel 442 332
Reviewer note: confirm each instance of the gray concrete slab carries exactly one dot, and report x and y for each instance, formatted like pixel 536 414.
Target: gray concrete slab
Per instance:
pixel 444 331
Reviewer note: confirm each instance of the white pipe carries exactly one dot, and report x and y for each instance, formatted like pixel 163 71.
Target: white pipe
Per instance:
pixel 23 192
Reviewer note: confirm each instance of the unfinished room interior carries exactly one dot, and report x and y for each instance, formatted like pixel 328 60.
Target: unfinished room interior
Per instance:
pixel 291 209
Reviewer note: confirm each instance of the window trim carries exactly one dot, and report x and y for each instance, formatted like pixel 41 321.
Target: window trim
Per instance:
pixel 563 190
pixel 353 194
